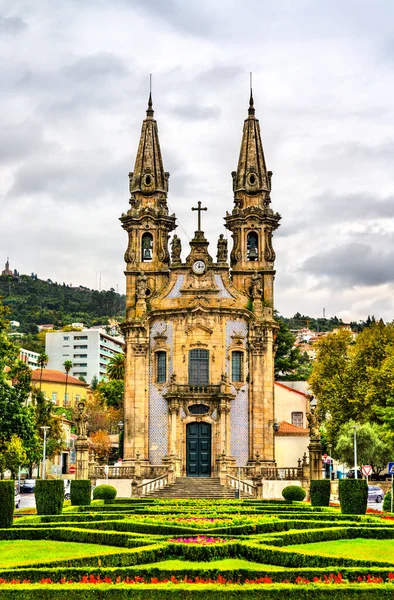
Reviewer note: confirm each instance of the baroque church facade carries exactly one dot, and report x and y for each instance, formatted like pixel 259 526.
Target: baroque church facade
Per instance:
pixel 199 333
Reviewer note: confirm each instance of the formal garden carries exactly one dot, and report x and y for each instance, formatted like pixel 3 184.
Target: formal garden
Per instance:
pixel 146 548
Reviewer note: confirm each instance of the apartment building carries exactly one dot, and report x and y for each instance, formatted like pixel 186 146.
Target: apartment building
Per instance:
pixel 89 350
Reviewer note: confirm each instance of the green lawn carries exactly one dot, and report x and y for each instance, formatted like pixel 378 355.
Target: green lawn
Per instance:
pixel 223 565
pixel 376 550
pixel 25 552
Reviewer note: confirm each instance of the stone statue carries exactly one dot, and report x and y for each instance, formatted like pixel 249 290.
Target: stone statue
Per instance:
pixel 256 288
pixel 81 421
pixel 222 249
pixel 176 249
pixel 313 424
pixel 141 286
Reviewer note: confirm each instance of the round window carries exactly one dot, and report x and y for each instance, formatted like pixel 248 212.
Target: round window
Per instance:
pixel 148 180
pixel 252 179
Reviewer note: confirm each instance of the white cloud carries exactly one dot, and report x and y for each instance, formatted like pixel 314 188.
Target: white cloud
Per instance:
pixel 74 88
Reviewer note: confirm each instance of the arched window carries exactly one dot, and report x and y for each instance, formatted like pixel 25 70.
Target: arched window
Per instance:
pixel 237 366
pixel 161 366
pixel 147 247
pixel 198 367
pixel 253 246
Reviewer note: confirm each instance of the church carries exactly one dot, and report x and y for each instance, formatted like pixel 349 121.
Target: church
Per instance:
pixel 199 332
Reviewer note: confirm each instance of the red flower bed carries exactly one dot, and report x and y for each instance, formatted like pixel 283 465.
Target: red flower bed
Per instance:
pixel 331 579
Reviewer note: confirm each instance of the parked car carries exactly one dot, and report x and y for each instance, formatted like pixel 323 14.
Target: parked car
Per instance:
pixel 27 486
pixel 67 492
pixel 17 498
pixel 350 474
pixel 375 493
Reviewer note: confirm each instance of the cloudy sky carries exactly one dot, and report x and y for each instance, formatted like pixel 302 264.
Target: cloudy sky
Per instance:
pixel 73 91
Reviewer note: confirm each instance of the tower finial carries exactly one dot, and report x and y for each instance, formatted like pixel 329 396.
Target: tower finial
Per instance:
pixel 150 111
pixel 251 110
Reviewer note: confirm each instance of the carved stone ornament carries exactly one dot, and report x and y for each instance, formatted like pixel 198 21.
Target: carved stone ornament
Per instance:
pixel 141 286
pixel 236 251
pixel 129 256
pixel 176 249
pixel 269 253
pixel 256 288
pixel 81 421
pixel 222 249
pixel 313 424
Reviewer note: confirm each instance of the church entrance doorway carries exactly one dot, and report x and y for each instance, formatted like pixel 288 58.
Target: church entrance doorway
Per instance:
pixel 198 449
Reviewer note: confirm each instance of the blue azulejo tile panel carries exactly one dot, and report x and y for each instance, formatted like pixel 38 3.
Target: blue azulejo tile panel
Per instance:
pixel 176 290
pixel 158 410
pixel 219 282
pixel 239 419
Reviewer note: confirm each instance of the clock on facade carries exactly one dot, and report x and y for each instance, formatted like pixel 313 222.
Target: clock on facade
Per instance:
pixel 199 267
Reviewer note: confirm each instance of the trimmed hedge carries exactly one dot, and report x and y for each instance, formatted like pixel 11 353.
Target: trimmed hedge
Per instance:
pixel 293 493
pixel 320 492
pixel 387 502
pixel 353 496
pixel 49 495
pixel 7 503
pixel 104 492
pixel 80 492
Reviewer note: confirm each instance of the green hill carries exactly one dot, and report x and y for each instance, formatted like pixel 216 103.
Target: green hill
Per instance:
pixel 33 302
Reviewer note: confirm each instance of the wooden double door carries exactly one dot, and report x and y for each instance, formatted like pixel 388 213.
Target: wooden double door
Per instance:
pixel 198 449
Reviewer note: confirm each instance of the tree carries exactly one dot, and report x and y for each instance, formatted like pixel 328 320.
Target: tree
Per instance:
pixel 101 416
pixel 94 382
pixel 289 364
pixel 16 416
pixel 42 362
pixel 101 444
pixel 44 416
pixel 354 380
pixel 111 393
pixel 14 455
pixel 371 446
pixel 116 367
pixel 68 365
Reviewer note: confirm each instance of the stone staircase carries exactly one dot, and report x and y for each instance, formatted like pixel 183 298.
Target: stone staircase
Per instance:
pixel 195 487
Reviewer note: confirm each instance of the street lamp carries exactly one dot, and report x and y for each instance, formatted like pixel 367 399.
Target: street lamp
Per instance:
pixel 45 428
pixel 355 451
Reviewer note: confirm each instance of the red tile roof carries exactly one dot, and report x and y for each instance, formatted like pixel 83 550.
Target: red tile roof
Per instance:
pixel 287 387
pixel 289 429
pixel 54 376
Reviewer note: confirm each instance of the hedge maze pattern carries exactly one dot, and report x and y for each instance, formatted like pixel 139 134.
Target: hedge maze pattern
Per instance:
pixel 144 533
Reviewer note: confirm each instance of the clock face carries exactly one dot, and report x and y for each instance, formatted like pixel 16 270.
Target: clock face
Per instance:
pixel 199 267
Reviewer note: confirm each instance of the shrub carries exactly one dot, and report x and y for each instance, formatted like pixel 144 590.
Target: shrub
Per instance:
pixel 387 502
pixel 293 492
pixel 104 492
pixel 80 492
pixel 320 492
pixel 7 503
pixel 353 496
pixel 49 496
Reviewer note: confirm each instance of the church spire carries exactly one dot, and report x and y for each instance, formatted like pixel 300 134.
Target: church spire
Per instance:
pixel 251 175
pixel 149 177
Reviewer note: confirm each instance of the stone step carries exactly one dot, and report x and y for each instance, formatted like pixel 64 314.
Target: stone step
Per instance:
pixel 195 487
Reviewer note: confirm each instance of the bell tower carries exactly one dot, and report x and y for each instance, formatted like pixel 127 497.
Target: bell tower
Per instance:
pixel 252 221
pixel 147 222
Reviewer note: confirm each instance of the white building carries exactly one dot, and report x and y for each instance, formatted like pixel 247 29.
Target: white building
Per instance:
pixel 29 357
pixel 90 350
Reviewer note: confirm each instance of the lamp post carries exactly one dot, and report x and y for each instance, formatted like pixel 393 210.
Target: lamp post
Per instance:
pixel 355 451
pixel 120 428
pixel 45 428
